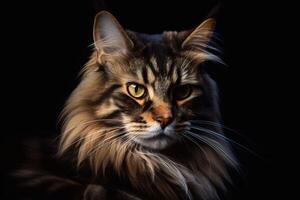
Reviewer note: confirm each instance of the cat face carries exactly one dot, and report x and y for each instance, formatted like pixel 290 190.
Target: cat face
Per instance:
pixel 157 84
pixel 139 89
pixel 154 98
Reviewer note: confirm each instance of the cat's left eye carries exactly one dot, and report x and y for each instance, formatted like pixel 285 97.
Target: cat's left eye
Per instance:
pixel 136 90
pixel 182 92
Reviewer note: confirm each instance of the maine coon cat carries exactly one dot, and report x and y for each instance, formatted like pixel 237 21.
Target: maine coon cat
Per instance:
pixel 142 123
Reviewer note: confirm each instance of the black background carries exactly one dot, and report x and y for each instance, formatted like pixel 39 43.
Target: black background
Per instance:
pixel 48 43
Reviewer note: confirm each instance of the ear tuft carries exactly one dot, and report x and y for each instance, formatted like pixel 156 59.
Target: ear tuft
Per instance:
pixel 200 36
pixel 109 36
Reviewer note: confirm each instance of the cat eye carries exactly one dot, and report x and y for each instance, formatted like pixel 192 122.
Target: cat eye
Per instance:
pixel 182 92
pixel 136 90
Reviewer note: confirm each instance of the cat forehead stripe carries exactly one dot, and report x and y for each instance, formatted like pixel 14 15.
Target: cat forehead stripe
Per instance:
pixel 153 62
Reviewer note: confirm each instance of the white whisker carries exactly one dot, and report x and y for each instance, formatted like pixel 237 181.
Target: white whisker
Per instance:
pixel 93 134
pixel 223 137
pixel 106 141
pixel 214 145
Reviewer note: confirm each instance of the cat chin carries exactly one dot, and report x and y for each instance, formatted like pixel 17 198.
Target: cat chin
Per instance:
pixel 155 138
pixel 158 143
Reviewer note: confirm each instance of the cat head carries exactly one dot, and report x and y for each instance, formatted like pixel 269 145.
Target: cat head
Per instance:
pixel 141 91
pixel 143 97
pixel 153 84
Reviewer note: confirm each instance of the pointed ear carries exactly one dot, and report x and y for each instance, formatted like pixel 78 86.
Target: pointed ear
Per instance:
pixel 200 36
pixel 109 36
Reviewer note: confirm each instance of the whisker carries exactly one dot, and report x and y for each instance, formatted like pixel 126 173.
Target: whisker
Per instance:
pixel 100 120
pixel 198 145
pixel 104 133
pixel 130 138
pixel 93 133
pixel 206 122
pixel 84 124
pixel 213 133
pixel 213 146
pixel 106 141
pixel 228 130
pixel 139 126
pixel 214 124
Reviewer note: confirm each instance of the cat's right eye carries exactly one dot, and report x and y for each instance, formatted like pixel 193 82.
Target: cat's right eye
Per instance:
pixel 182 92
pixel 136 90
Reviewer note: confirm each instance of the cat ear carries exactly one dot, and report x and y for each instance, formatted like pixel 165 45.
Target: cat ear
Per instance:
pixel 109 36
pixel 199 38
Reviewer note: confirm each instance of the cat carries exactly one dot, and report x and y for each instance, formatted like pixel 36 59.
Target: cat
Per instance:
pixel 141 124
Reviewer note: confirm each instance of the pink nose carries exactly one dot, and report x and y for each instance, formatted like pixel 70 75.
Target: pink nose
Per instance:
pixel 164 121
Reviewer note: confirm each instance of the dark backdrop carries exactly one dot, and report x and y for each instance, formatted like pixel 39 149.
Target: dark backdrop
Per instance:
pixel 49 43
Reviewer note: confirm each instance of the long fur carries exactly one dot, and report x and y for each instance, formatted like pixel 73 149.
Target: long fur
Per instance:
pixel 162 175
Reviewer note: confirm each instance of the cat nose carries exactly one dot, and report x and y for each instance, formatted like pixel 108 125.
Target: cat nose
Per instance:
pixel 164 121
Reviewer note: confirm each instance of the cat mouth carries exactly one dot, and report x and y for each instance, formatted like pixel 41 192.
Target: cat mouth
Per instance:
pixel 157 142
pixel 156 139
pixel 156 135
pixel 161 135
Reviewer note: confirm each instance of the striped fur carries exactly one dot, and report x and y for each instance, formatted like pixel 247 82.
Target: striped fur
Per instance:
pixel 105 128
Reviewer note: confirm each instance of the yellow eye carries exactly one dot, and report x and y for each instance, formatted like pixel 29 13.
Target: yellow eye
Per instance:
pixel 136 90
